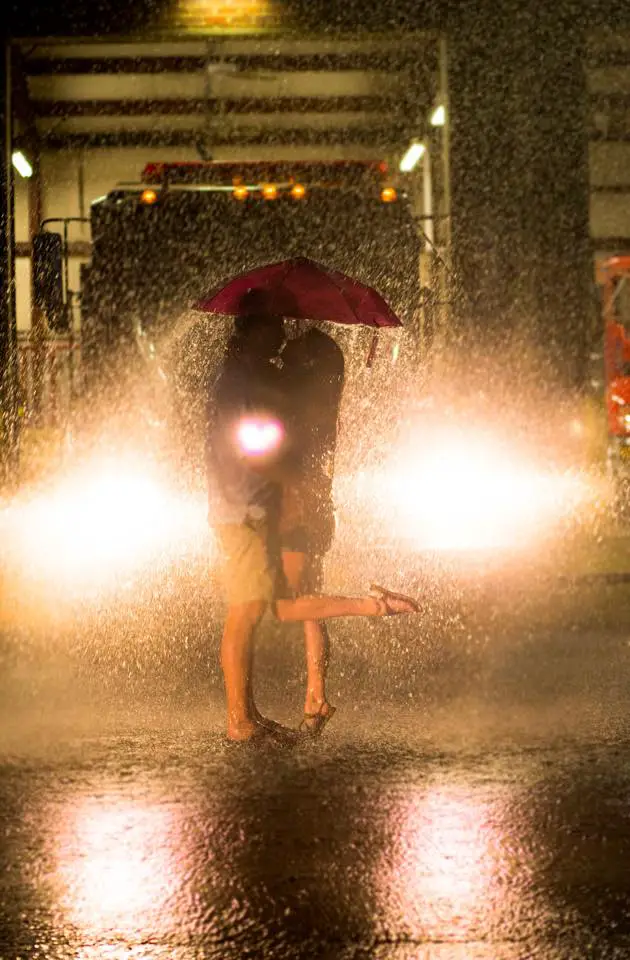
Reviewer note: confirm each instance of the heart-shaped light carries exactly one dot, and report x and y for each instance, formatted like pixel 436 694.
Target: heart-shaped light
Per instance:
pixel 256 436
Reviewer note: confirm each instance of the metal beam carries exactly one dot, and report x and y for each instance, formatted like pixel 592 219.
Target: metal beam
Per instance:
pixel 212 105
pixel 390 134
pixel 602 100
pixel 613 58
pixel 195 86
pixel 77 66
pixel 228 125
pixel 611 243
pixel 619 188
pixel 144 44
pixel 76 248
pixel 325 61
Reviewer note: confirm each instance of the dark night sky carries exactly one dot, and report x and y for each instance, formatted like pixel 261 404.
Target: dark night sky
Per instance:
pixel 92 17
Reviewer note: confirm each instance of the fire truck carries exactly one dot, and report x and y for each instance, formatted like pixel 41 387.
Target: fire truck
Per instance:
pixel 615 285
pixel 184 229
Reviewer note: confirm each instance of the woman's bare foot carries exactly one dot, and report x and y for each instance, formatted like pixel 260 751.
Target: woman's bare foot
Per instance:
pixel 393 604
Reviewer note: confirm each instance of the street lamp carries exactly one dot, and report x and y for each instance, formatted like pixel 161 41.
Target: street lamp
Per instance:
pixel 414 152
pixel 21 164
pixel 438 117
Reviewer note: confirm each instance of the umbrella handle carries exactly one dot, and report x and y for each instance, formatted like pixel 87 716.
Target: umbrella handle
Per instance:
pixel 372 351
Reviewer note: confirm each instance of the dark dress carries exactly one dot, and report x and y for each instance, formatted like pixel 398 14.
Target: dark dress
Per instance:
pixel 313 371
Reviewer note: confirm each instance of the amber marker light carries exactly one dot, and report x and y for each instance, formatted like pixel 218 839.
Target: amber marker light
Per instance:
pixel 149 197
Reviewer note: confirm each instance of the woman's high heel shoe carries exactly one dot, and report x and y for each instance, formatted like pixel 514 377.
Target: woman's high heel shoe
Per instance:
pixel 313 723
pixel 394 603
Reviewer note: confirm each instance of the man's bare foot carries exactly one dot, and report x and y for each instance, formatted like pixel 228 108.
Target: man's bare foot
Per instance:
pixel 393 604
pixel 243 730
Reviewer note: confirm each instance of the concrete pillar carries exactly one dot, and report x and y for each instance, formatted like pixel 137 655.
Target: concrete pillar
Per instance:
pixel 519 179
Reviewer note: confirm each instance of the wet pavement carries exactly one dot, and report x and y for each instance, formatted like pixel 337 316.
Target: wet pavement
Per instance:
pixel 483 813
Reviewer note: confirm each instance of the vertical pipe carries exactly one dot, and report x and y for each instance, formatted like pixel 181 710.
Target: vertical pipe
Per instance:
pixel 427 256
pixel 427 197
pixel 81 185
pixel 69 319
pixel 39 327
pixel 442 318
pixel 9 423
pixel 445 140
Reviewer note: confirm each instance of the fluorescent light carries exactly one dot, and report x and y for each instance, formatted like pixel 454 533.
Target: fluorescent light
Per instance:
pixel 413 154
pixel 21 164
pixel 438 117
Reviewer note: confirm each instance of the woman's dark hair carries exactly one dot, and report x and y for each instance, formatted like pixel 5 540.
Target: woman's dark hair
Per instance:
pixel 315 349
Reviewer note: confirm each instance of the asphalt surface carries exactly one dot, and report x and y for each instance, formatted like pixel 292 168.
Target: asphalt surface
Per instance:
pixel 466 802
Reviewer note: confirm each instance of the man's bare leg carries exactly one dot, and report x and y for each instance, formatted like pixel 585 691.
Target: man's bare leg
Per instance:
pixel 236 645
pixel 236 662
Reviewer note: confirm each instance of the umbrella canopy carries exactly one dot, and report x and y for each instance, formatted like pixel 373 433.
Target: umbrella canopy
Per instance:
pixel 302 289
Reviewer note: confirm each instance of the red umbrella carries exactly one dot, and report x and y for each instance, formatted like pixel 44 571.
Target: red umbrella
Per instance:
pixel 302 289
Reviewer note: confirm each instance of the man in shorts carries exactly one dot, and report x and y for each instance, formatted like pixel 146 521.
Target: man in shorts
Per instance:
pixel 248 459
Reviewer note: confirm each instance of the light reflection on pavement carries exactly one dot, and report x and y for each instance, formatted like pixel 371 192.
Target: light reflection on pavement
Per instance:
pixel 469 801
pixel 443 860
pixel 118 864
pixel 166 843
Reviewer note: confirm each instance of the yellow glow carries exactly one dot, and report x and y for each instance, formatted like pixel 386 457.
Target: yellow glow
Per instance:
pixel 148 196
pixel 298 191
pixel 101 525
pixel 388 194
pixel 240 193
pixel 227 16
pixel 441 864
pixel 457 492
pixel 269 191
pixel 119 864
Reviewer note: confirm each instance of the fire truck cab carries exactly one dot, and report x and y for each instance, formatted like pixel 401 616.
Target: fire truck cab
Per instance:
pixel 615 283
